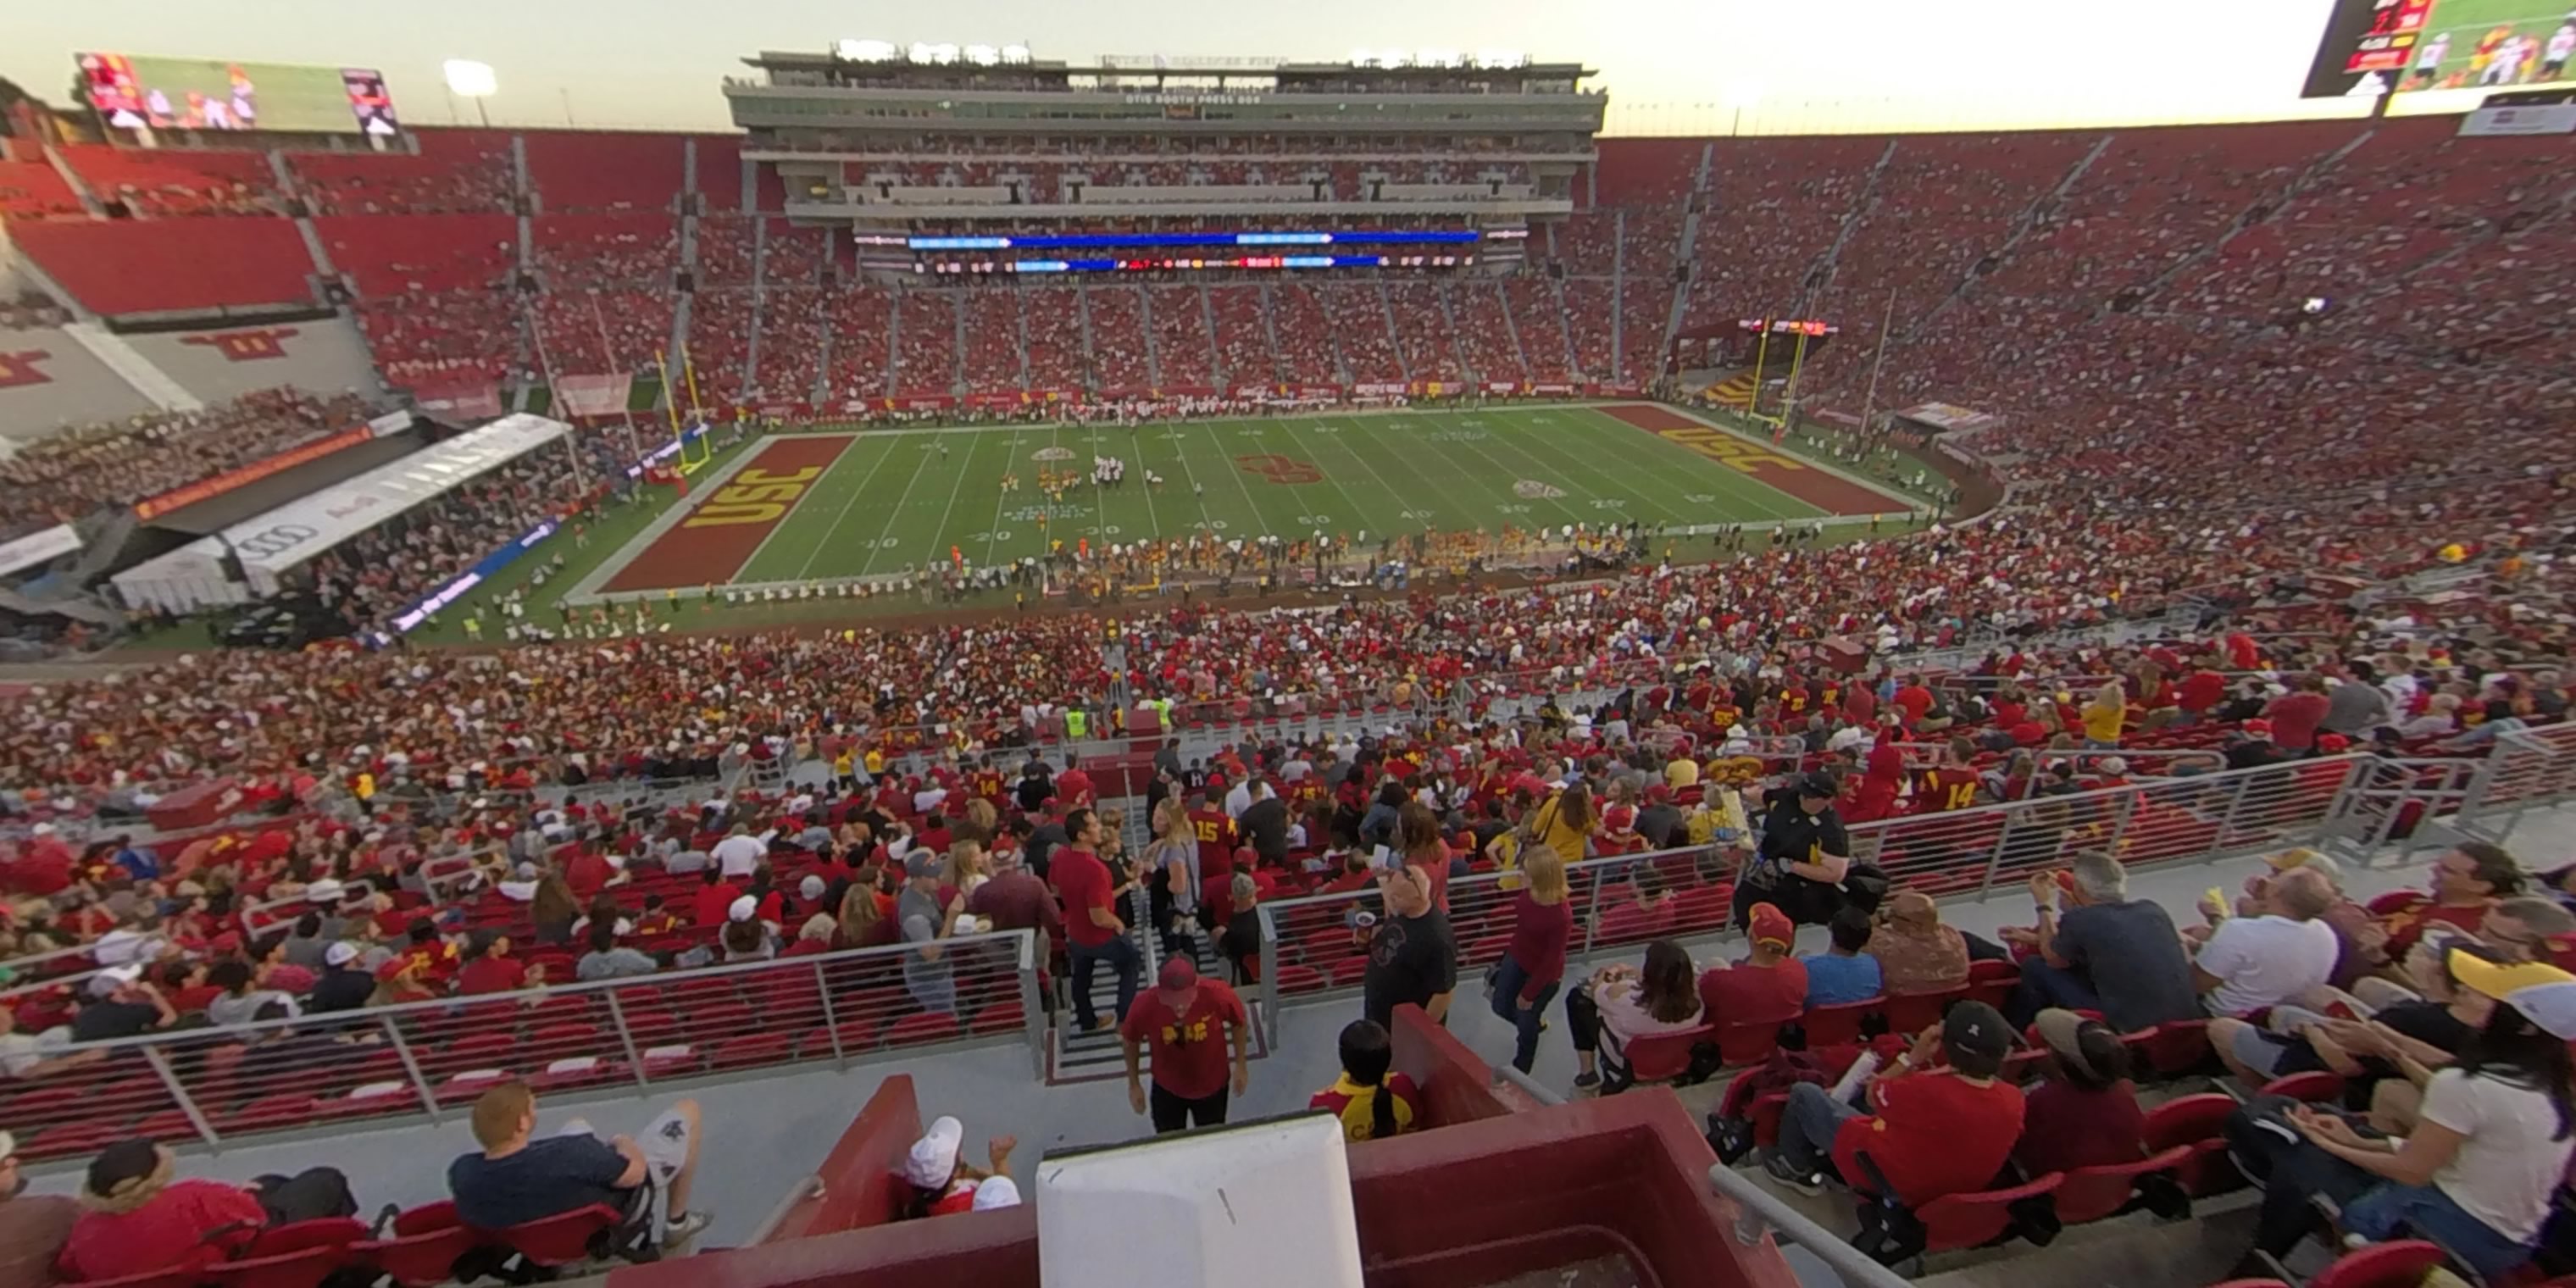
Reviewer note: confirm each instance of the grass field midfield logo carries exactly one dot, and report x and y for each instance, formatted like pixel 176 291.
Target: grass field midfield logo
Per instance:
pixel 1537 490
pixel 1279 469
pixel 1728 450
pixel 754 496
pixel 1052 454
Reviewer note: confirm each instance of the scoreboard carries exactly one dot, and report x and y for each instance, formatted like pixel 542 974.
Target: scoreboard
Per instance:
pixel 2377 47
pixel 2365 37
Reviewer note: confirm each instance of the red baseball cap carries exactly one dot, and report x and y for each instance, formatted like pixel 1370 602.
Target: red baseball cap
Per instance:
pixel 1620 818
pixel 1178 982
pixel 2258 727
pixel 1769 925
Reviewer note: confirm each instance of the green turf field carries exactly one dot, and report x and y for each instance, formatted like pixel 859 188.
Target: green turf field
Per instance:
pixel 894 501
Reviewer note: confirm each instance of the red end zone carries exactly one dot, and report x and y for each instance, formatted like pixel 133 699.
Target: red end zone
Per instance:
pixel 729 523
pixel 1830 493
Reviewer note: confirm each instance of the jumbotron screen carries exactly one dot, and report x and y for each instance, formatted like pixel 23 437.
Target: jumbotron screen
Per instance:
pixel 139 92
pixel 2375 47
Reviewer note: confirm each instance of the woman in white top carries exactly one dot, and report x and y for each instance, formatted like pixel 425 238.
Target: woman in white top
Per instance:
pixel 1622 1003
pixel 2496 1131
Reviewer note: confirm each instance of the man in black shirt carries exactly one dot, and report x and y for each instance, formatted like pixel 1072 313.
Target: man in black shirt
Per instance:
pixel 1803 856
pixel 1046 832
pixel 1036 784
pixel 123 1005
pixel 1413 957
pixel 1265 825
pixel 1659 822
pixel 345 983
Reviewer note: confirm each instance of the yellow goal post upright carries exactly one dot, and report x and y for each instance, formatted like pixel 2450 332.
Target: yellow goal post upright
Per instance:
pixel 686 460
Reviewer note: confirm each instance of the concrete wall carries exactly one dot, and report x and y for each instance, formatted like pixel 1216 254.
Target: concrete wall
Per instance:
pixel 47 381
pixel 321 357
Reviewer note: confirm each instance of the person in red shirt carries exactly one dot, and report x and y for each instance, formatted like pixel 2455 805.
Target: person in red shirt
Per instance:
pixel 1216 837
pixel 435 957
pixel 1949 785
pixel 1093 931
pixel 590 872
pixel 1928 1130
pixel 2295 715
pixel 1913 699
pixel 136 1220
pixel 489 967
pixel 1073 786
pixel 2201 692
pixel 944 1185
pixel 714 896
pixel 1768 985
pixel 1187 1023
pixel 2086 1115
pixel 1619 832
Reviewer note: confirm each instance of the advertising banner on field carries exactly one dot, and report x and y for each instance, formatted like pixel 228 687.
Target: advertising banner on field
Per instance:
pixel 411 618
pixel 1553 389
pixel 1380 389
pixel 1501 386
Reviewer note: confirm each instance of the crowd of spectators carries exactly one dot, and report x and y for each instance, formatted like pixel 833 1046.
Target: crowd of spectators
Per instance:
pixel 387 568
pixel 1358 318
pixel 68 474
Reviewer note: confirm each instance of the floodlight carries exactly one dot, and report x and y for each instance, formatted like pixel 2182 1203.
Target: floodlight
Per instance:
pixel 469 79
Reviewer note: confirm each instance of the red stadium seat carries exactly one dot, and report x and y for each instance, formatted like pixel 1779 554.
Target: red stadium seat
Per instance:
pixel 2093 1193
pixel 2169 1050
pixel 2401 1264
pixel 1838 1025
pixel 2315 1087
pixel 2198 1122
pixel 1665 1056
pixel 563 1239
pixel 922 1027
pixel 1974 1220
pixel 1911 1013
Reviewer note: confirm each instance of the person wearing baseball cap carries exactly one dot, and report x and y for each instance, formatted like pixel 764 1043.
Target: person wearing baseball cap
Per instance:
pixel 943 1183
pixel 1804 854
pixel 2479 1172
pixel 137 1218
pixel 1769 984
pixel 925 921
pixel 1187 1022
pixel 1936 1121
pixel 2254 748
pixel 2086 1114
pixel 345 982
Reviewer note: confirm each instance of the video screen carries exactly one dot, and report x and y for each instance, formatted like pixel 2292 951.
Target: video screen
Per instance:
pixel 139 92
pixel 2375 47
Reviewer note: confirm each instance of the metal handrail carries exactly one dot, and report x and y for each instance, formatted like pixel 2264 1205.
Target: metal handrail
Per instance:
pixel 2223 796
pixel 1759 1214
pixel 1022 943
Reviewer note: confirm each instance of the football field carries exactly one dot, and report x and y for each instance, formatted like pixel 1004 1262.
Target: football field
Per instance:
pixel 836 507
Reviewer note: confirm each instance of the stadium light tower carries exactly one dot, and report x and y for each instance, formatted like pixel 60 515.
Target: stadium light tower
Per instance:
pixel 469 79
pixel 1740 98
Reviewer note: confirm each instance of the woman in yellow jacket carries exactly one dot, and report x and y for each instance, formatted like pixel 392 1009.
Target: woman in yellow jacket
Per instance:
pixel 2104 715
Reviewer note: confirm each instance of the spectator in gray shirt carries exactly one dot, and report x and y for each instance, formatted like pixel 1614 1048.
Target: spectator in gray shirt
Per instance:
pixel 927 973
pixel 241 1003
pixel 2358 705
pixel 606 960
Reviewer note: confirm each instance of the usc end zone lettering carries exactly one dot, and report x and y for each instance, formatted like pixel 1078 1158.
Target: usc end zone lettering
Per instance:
pixel 726 529
pixel 1728 450
pixel 754 496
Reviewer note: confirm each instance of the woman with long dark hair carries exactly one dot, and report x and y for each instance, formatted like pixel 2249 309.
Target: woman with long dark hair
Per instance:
pixel 1620 1004
pixel 2493 1138
pixel 1372 1103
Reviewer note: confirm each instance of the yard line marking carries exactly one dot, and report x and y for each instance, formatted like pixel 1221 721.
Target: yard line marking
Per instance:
pixel 1622 490
pixel 1237 473
pixel 1000 499
pixel 893 513
pixel 1359 511
pixel 964 468
pixel 1136 439
pixel 1559 502
pixel 846 503
pixel 1181 453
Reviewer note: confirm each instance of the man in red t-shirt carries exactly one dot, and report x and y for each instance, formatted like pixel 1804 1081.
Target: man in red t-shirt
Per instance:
pixel 1188 1023
pixel 1216 836
pixel 2295 715
pixel 1093 931
pixel 1769 985
pixel 1928 1131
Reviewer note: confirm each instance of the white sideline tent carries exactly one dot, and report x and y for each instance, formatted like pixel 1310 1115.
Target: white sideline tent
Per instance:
pixel 194 576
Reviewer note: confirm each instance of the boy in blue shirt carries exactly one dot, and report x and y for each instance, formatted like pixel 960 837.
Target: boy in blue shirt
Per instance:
pixel 1843 974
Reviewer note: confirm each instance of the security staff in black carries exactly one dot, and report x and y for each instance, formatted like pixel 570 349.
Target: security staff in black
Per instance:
pixel 1803 856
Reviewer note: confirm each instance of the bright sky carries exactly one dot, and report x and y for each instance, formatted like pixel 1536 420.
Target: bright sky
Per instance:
pixel 1671 66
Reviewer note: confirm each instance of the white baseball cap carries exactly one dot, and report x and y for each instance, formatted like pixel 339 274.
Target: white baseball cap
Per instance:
pixel 743 908
pixel 340 954
pixel 994 1193
pixel 934 1157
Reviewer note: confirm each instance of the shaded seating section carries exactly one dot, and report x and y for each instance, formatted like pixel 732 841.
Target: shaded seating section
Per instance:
pixel 132 266
pixel 594 170
pixel 456 170
pixel 164 182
